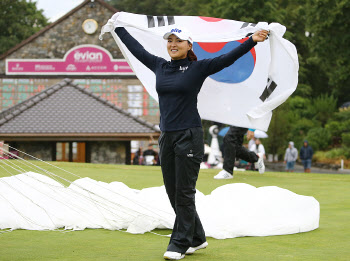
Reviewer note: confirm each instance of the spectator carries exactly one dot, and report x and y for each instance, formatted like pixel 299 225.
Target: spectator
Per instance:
pixel 306 154
pixel 149 156
pixel 138 158
pixel 233 148
pixel 290 157
pixel 258 147
pixel 251 142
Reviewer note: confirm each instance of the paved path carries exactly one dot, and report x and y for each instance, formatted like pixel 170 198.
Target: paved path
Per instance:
pixel 280 166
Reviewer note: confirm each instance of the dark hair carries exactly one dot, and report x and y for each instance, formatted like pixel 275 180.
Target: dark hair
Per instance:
pixel 191 56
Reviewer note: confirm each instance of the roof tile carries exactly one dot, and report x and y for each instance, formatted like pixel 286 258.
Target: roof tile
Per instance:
pixel 69 108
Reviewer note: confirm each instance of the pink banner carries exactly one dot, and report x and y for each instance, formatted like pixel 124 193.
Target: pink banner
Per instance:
pixel 80 60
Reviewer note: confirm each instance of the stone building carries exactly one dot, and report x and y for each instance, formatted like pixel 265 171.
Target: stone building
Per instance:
pixel 70 49
pixel 66 122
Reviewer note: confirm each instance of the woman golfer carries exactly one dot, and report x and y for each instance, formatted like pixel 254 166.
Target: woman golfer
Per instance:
pixel 178 83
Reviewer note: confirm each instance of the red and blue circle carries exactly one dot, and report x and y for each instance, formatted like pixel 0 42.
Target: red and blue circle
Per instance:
pixel 239 71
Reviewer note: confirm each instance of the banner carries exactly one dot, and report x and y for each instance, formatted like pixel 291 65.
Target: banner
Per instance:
pixel 243 94
pixel 80 60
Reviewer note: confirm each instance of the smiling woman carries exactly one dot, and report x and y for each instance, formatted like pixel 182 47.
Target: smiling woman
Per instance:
pixel 178 83
pixel 179 43
pixel 178 48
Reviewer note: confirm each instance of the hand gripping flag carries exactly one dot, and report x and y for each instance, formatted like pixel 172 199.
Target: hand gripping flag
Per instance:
pixel 243 94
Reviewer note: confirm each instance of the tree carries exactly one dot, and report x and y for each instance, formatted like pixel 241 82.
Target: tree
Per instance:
pixel 279 129
pixel 328 27
pixel 318 29
pixel 19 20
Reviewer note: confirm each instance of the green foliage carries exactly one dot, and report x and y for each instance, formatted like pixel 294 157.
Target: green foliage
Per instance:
pixel 338 153
pixel 279 128
pixel 335 128
pixel 323 107
pixel 19 20
pixel 328 23
pixel 319 138
pixel 332 155
pixel 319 30
pixel 346 139
pixel 300 105
pixel 303 90
pixel 339 123
pixel 248 11
pixel 343 115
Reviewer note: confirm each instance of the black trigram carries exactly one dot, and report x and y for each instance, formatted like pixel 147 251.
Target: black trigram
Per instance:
pixel 160 19
pixel 246 24
pixel 270 87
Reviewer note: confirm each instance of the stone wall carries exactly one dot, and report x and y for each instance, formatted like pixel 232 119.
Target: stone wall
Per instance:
pixel 54 43
pixel 40 150
pixel 109 152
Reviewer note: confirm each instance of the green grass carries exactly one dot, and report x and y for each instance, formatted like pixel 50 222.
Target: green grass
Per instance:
pixel 331 241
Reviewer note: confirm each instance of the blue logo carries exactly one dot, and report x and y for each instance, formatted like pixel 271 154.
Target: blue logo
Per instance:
pixel 175 30
pixel 238 72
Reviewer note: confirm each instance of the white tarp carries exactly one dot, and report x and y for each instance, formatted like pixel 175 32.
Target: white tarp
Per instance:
pixel 243 94
pixel 36 202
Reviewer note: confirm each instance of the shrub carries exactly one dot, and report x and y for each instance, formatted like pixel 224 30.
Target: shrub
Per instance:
pixel 338 153
pixel 319 138
pixel 346 139
pixel 323 107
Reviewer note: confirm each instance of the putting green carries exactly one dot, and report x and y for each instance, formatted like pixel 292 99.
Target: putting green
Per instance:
pixel 330 241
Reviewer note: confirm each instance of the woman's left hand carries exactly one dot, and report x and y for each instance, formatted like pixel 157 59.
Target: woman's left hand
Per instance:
pixel 260 36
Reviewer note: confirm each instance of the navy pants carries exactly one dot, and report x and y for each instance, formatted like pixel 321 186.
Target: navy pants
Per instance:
pixel 181 153
pixel 233 148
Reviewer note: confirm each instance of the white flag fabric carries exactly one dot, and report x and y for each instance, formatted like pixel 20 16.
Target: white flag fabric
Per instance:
pixel 243 94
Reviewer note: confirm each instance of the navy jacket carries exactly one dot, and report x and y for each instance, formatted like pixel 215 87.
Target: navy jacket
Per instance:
pixel 178 82
pixel 306 152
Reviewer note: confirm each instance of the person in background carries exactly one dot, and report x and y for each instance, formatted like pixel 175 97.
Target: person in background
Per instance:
pixel 233 148
pixel 149 156
pixel 290 157
pixel 258 148
pixel 138 158
pixel 251 141
pixel 306 154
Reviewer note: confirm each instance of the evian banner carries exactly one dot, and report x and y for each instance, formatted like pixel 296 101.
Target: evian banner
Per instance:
pixel 82 59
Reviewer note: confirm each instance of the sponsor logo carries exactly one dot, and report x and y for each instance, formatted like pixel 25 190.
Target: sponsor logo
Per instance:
pixel 71 67
pixel 183 68
pixel 175 30
pixel 190 155
pixel 44 67
pixel 96 68
pixel 17 68
pixel 88 57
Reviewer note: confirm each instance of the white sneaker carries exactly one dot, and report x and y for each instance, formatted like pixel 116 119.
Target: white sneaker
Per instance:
pixel 169 255
pixel 223 175
pixel 191 250
pixel 260 163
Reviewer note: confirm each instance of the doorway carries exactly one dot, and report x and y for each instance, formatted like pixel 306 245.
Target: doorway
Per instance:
pixel 70 151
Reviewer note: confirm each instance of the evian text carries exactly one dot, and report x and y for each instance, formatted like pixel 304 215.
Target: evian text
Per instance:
pixel 88 56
